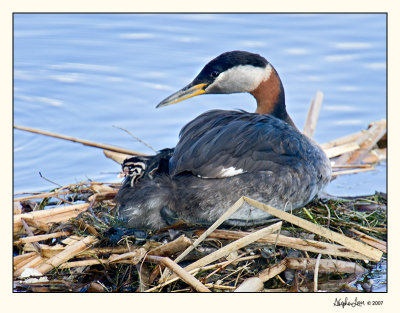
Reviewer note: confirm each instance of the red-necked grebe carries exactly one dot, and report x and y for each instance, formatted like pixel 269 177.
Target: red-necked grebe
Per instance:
pixel 222 155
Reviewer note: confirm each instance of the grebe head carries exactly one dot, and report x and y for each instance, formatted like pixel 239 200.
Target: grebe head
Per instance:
pixel 238 71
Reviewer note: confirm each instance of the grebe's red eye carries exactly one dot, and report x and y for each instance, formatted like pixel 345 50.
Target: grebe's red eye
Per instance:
pixel 214 74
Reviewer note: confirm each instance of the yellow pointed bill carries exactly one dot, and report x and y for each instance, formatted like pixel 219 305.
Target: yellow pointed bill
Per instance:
pixel 183 94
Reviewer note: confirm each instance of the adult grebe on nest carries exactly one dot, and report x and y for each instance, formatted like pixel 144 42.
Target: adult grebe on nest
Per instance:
pixel 222 155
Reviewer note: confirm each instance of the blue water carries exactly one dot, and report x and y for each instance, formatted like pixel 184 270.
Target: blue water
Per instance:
pixel 82 74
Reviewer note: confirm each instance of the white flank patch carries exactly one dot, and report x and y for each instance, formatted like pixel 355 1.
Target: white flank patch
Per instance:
pixel 230 171
pixel 242 78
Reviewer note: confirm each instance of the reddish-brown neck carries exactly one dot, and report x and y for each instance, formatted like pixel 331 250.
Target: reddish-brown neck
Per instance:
pixel 270 98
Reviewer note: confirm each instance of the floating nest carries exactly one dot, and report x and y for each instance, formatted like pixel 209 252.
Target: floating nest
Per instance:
pixel 70 240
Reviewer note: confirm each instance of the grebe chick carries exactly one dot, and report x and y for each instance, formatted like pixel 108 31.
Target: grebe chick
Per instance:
pixel 222 155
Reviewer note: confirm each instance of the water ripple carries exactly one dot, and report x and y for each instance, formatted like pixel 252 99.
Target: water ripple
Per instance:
pixel 353 45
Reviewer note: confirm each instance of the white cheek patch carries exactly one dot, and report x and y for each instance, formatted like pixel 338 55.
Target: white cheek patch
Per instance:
pixel 242 78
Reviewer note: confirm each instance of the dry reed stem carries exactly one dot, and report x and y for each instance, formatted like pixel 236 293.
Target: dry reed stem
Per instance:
pixel 17 208
pixel 366 142
pixel 294 243
pixel 368 251
pixel 87 227
pixel 217 223
pixel 72 239
pixel 91 183
pixel 177 245
pixel 46 250
pixel 116 156
pixel 236 245
pixel 252 284
pixel 352 166
pixel 134 256
pixel 82 263
pixel 272 271
pixel 37 224
pixel 67 254
pixel 225 265
pixel 376 155
pixel 82 141
pixel 20 260
pixel 375 133
pixel 102 196
pixel 255 284
pixel 58 214
pixel 43 195
pixel 182 273
pixel 372 241
pixel 346 172
pixel 325 265
pixel 312 115
pixel 343 140
pixel 102 188
pixel 37 260
pixel 215 286
pixel 196 270
pixel 316 269
pixel 40 237
pixel 338 150
pixel 105 250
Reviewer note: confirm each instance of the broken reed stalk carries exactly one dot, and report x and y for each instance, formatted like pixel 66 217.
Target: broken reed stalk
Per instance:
pixel 312 115
pixel 40 237
pixel 105 250
pixel 339 150
pixel 372 241
pixel 294 243
pixel 182 273
pixel 89 262
pixel 58 192
pixel 19 259
pixel 35 261
pixel 346 172
pixel 316 269
pixel 43 195
pixel 204 268
pixel 134 256
pixel 233 246
pixel 179 244
pixel 53 215
pixel 21 263
pixel 218 222
pixel 116 156
pixel 352 166
pixel 236 245
pixel 376 155
pixel 66 254
pixel 325 266
pixel 366 142
pixel 343 140
pixel 46 250
pixel 254 284
pixel 35 245
pixel 82 141
pixel 368 251
pixel 37 224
